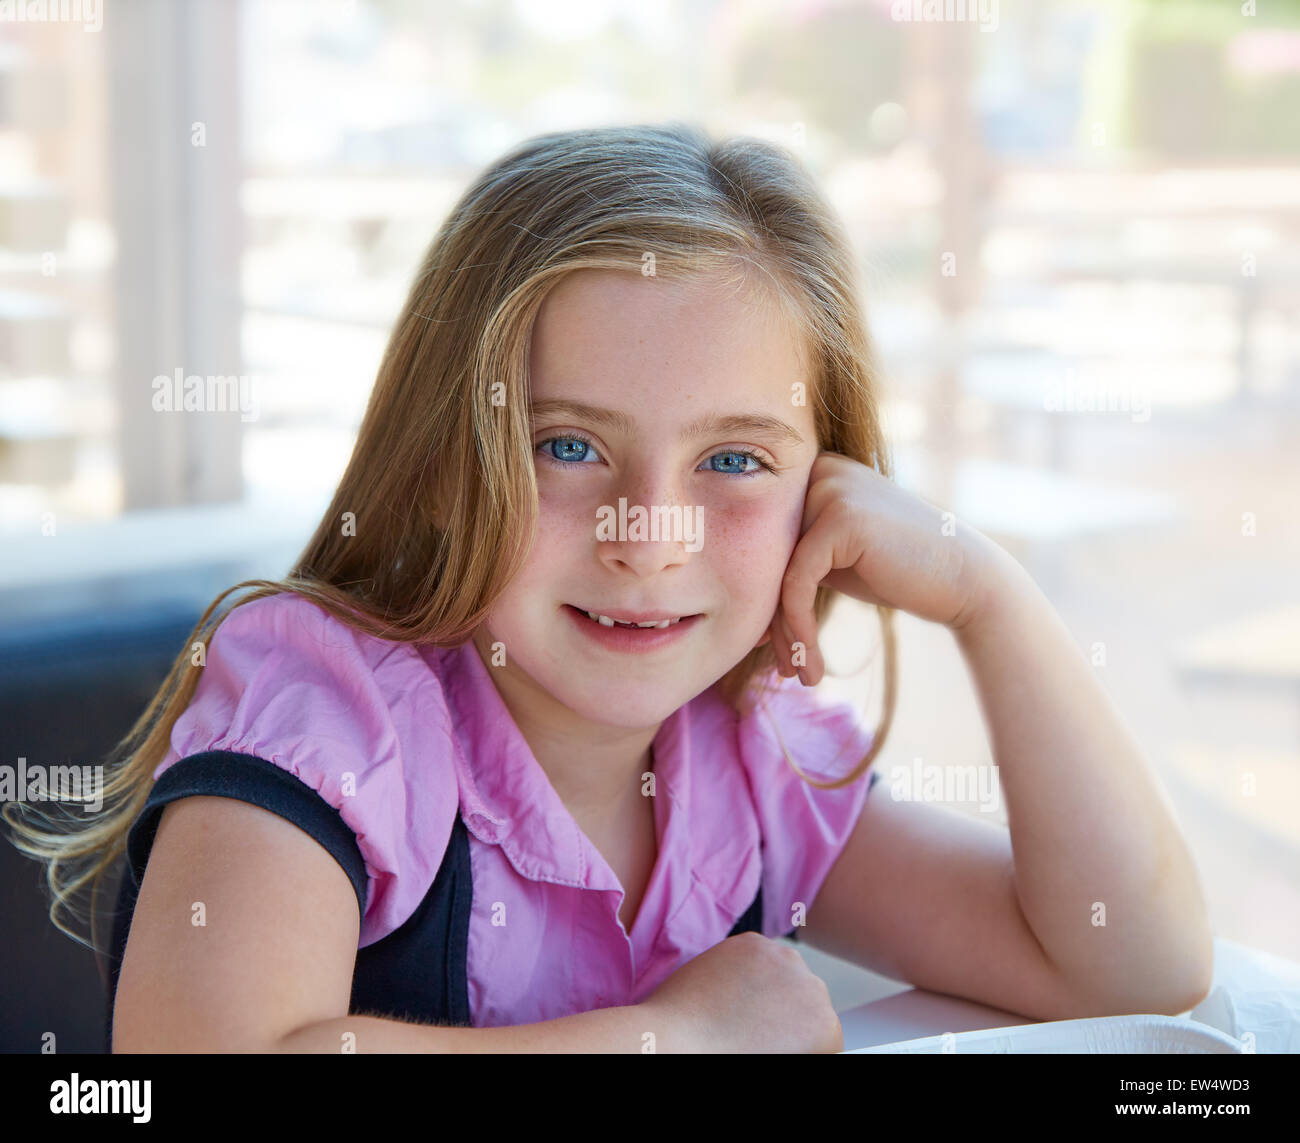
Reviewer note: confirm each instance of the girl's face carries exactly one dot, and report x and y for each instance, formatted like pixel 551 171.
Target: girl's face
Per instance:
pixel 650 392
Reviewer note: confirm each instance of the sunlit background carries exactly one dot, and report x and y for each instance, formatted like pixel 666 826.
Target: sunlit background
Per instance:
pixel 1079 232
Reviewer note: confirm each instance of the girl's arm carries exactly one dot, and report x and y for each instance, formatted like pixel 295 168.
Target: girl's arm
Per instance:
pixel 1103 874
pixel 1103 877
pixel 275 949
pixel 622 1029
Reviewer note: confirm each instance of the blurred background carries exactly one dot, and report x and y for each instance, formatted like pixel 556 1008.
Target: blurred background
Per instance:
pixel 1079 232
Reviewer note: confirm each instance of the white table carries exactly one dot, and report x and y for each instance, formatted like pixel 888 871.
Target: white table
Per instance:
pixel 1244 973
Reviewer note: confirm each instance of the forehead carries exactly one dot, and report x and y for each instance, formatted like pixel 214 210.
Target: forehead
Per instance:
pixel 638 340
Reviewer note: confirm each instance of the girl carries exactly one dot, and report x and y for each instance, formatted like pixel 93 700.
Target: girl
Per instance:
pixel 556 765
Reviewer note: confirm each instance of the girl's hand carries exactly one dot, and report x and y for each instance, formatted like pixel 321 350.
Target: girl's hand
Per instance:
pixel 865 536
pixel 748 993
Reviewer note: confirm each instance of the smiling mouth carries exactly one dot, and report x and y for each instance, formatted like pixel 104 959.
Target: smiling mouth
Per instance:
pixel 609 621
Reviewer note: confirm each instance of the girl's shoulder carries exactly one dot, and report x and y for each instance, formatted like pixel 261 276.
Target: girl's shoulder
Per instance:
pixel 284 676
pixel 287 687
pixel 289 622
pixel 284 639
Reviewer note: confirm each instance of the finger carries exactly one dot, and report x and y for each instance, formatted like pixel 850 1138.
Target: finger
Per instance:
pixel 783 640
pixel 779 644
pixel 810 563
pixel 787 644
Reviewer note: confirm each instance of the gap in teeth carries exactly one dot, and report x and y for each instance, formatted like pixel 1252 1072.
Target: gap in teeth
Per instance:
pixel 605 621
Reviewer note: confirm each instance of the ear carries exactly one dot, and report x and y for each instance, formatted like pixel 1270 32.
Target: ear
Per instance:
pixel 767 637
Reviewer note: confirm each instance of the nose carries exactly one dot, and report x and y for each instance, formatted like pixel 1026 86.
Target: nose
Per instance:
pixel 648 527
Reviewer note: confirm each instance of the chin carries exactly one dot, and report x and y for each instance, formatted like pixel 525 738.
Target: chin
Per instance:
pixel 623 703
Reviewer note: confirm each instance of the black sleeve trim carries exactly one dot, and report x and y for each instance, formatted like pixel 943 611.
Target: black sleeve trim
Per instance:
pixel 751 920
pixel 248 778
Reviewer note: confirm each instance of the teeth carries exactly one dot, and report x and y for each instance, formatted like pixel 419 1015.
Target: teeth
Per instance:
pixel 606 621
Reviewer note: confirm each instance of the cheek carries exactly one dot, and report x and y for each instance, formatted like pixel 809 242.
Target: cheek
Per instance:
pixel 566 523
pixel 749 543
pixel 565 494
pixel 561 538
pixel 566 529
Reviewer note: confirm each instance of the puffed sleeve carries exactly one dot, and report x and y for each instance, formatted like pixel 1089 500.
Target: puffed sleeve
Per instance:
pixel 289 715
pixel 803 828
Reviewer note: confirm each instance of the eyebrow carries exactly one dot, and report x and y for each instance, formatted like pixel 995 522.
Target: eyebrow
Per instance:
pixel 710 425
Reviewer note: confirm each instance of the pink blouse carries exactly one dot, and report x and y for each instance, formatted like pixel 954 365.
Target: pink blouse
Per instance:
pixel 397 736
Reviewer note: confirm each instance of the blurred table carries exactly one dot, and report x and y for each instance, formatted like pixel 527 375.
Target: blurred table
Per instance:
pixel 1262 649
pixel 1252 991
pixel 1037 510
pixel 913 1013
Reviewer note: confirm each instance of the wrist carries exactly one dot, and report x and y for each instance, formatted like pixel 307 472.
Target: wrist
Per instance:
pixel 996 581
pixel 675 1033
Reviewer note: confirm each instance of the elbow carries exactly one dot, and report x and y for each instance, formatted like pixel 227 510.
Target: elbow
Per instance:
pixel 1191 961
pixel 161 1038
pixel 1187 975
pixel 1201 981
pixel 1181 1002
pixel 1171 985
pixel 1185 979
pixel 1181 969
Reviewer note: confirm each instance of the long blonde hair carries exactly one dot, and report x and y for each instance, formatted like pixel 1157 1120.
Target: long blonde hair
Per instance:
pixel 433 545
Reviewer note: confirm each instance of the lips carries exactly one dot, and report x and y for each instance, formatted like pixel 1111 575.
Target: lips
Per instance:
pixel 659 619
pixel 623 635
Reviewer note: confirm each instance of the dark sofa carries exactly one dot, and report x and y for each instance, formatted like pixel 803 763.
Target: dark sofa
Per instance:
pixel 78 665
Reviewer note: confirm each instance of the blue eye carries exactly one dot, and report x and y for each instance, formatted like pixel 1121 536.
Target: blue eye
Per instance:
pixel 738 455
pixel 569 451
pixel 573 449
